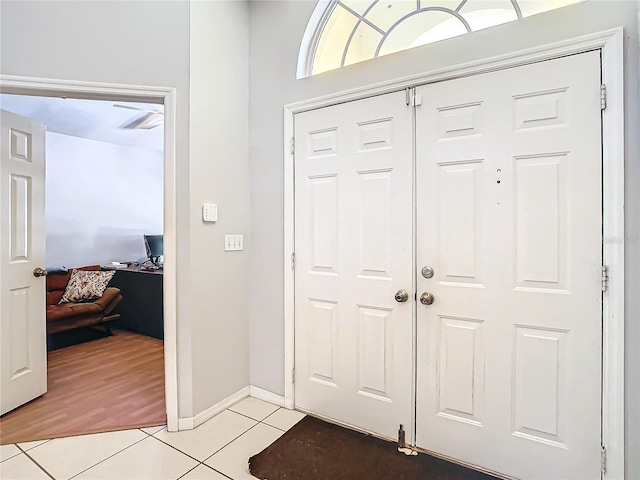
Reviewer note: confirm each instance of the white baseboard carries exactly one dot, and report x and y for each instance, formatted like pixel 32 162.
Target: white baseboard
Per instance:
pixel 266 395
pixel 190 423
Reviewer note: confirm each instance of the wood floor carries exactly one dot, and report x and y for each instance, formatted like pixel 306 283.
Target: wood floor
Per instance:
pixel 108 384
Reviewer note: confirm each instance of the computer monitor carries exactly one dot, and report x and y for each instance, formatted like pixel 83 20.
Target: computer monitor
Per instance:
pixel 154 245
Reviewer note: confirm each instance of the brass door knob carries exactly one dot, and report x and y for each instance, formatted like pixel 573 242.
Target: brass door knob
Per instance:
pixel 39 272
pixel 401 296
pixel 427 298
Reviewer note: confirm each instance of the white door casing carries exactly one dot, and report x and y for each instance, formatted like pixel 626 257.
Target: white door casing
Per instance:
pixel 354 251
pixel 166 95
pixel 22 248
pixel 509 215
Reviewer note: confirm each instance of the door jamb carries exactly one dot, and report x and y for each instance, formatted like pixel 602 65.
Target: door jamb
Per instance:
pixel 610 44
pixel 167 95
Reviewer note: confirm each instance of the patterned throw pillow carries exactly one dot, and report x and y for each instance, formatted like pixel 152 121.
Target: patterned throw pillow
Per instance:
pixel 86 285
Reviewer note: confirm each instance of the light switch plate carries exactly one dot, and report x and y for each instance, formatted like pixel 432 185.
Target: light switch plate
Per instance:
pixel 233 243
pixel 209 212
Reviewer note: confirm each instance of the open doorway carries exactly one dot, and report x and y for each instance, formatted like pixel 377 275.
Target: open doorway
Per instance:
pixel 104 194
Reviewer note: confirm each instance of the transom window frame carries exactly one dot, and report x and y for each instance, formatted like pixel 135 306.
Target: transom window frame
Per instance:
pixel 325 9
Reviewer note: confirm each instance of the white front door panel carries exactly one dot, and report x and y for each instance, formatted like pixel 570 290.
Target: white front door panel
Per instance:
pixel 509 213
pixel 353 243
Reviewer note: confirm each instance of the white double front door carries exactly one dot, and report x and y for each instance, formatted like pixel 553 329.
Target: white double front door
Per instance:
pixel 494 182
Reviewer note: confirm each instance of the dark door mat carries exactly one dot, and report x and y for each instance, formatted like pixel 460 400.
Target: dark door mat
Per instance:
pixel 317 450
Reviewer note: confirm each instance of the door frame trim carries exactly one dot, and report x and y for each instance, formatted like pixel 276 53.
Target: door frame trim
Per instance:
pixel 610 44
pixel 167 95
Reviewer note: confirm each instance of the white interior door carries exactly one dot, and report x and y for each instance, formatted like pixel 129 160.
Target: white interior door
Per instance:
pixel 509 216
pixel 353 240
pixel 22 296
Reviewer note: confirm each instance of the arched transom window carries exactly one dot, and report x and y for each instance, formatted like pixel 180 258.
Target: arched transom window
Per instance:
pixel 342 32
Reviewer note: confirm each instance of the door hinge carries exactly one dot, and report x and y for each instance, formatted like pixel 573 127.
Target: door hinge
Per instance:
pixel 412 98
pixel 292 146
pixel 293 261
pixel 603 459
pixel 605 278
pixel 603 96
pixel 293 375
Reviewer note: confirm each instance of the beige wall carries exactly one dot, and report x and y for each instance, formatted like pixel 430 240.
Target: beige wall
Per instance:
pixel 276 32
pixel 218 149
pixel 130 207
pixel 155 43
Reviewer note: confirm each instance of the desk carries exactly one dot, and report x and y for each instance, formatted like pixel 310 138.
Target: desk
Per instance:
pixel 141 306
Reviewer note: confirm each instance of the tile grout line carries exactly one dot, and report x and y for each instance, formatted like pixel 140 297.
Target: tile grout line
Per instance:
pixel 229 443
pixel 206 466
pixel 259 422
pixel 176 449
pixel 201 462
pixel 254 419
pixel 22 450
pixel 224 475
pixel 107 458
pixel 37 464
pixel 271 414
pixel 187 472
pixel 30 441
pixel 152 434
pixel 221 473
pixel 273 426
pixel 278 428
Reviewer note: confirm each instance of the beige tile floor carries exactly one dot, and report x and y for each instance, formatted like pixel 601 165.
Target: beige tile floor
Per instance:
pixel 219 449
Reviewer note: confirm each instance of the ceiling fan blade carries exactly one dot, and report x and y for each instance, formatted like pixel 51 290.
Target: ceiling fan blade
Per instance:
pixel 147 121
pixel 136 122
pixel 128 107
pixel 152 121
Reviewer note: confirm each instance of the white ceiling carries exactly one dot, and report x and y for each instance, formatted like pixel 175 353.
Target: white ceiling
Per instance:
pixel 92 119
